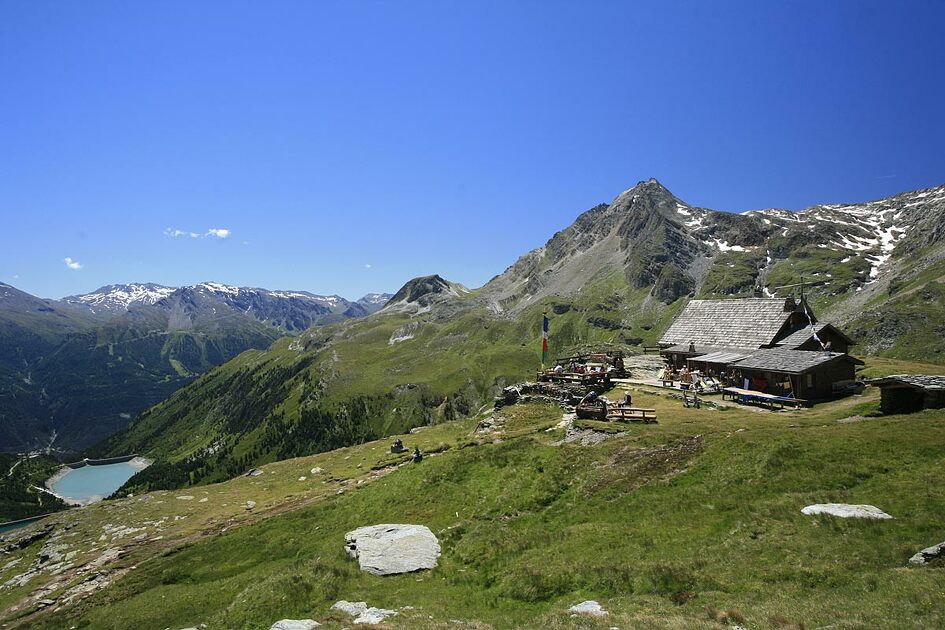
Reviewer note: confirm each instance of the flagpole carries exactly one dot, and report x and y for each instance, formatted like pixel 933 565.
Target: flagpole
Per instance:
pixel 544 339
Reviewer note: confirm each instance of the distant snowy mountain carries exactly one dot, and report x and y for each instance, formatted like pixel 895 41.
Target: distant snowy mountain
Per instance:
pixel 117 298
pixel 291 310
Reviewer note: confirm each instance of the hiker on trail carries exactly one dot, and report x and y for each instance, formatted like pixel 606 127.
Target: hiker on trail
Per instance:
pixel 417 455
pixel 398 446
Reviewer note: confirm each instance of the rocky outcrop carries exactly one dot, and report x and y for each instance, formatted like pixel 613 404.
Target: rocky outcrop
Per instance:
pixel 846 510
pixel 929 554
pixel 393 549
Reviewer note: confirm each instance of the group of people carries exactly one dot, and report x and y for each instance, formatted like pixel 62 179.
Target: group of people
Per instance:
pixel 398 447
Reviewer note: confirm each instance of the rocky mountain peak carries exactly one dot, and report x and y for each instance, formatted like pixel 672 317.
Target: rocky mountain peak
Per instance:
pixel 419 294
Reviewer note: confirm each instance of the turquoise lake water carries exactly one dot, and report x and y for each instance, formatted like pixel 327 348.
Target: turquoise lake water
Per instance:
pixel 89 482
pixel 9 527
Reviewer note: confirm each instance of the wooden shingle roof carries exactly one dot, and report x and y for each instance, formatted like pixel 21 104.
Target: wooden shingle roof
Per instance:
pixel 734 323
pixel 802 336
pixel 787 361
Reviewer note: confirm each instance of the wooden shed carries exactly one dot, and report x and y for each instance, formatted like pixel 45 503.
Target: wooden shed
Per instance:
pixel 809 375
pixel 907 393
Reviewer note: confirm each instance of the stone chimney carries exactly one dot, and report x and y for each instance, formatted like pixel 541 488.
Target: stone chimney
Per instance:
pixel 790 304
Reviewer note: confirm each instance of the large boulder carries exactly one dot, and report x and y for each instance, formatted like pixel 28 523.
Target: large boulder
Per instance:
pixel 846 510
pixel 928 554
pixel 392 549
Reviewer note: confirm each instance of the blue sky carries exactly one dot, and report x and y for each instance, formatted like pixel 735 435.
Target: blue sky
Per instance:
pixel 346 147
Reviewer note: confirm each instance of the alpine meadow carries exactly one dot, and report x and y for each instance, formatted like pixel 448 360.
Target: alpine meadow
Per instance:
pixel 261 367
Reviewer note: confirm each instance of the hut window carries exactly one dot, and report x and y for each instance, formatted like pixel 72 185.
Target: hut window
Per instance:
pixel 810 379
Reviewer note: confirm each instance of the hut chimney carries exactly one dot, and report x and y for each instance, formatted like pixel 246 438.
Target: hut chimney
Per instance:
pixel 790 304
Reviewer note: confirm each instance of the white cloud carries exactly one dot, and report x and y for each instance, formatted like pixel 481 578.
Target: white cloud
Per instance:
pixel 16 276
pixel 177 233
pixel 367 265
pixel 214 232
pixel 72 264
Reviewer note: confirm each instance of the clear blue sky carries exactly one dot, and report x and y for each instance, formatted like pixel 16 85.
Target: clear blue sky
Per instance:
pixel 431 137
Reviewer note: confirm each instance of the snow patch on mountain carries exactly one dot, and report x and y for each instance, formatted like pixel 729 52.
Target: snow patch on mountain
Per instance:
pixel 120 297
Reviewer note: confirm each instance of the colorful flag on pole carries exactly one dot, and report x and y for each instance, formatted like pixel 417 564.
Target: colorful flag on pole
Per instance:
pixel 544 340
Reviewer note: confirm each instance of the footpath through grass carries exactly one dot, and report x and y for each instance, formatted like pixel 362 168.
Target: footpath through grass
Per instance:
pixel 690 523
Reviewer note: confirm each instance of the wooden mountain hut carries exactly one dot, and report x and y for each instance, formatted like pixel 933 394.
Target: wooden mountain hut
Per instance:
pixel 806 374
pixel 739 325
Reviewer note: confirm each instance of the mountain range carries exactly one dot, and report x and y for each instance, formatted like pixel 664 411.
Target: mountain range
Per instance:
pixel 73 371
pixel 618 276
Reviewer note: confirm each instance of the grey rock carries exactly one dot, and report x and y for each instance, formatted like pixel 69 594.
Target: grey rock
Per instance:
pixel 249 505
pixel 374 615
pixel 589 607
pixel 351 608
pixel 928 554
pixel 295 624
pixel 846 510
pixel 392 549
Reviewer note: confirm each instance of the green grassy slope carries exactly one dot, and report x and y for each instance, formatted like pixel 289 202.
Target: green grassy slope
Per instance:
pixel 691 523
pixel 348 383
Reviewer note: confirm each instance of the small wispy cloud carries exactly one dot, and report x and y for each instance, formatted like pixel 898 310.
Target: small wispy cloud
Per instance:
pixel 72 264
pixel 178 233
pixel 367 265
pixel 16 276
pixel 212 232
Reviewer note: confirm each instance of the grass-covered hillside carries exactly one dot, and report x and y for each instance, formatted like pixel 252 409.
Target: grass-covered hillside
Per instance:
pixel 694 522
pixel 345 384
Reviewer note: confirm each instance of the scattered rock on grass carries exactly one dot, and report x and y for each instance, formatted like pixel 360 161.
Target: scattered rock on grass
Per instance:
pixel 928 554
pixel 373 615
pixel 846 510
pixel 392 549
pixel 589 607
pixel 351 608
pixel 255 472
pixel 295 624
pixel 249 505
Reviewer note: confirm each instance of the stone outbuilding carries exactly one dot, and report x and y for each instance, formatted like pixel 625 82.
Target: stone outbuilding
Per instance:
pixel 907 393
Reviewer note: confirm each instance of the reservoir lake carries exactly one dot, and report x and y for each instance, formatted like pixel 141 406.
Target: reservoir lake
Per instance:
pixel 93 482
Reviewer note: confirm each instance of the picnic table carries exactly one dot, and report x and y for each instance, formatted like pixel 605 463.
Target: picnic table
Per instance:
pixel 748 396
pixel 631 414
